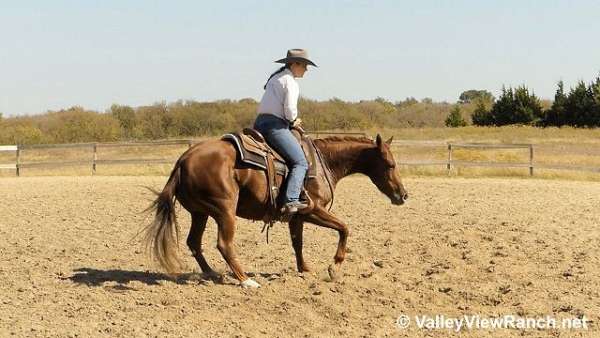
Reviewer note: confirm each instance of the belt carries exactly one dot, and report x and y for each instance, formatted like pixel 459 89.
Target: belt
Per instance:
pixel 272 115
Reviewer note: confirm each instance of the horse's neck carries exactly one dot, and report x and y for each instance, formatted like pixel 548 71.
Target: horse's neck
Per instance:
pixel 344 159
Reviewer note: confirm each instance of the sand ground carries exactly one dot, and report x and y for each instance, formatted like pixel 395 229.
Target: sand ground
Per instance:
pixel 487 247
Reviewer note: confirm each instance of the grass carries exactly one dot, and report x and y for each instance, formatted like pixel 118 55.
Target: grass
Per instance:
pixel 563 146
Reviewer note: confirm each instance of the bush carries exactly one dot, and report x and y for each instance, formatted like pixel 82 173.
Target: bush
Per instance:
pixel 482 116
pixel 455 119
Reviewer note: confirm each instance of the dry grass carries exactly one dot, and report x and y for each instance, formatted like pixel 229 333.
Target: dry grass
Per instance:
pixel 552 146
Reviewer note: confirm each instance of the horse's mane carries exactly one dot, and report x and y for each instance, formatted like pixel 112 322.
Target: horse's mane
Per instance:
pixel 337 139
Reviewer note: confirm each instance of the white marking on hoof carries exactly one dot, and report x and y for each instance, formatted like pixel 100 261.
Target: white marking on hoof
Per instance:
pixel 250 284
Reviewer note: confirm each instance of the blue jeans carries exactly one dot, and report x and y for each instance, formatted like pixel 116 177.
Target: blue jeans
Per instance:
pixel 278 135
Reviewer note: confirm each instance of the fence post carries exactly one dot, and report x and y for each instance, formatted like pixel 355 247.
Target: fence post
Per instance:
pixel 95 158
pixel 449 165
pixel 531 160
pixel 18 163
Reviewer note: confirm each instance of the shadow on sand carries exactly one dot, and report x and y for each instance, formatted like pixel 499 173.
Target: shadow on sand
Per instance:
pixel 95 277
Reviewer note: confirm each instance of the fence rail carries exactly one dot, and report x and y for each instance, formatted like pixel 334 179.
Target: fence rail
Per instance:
pixel 449 163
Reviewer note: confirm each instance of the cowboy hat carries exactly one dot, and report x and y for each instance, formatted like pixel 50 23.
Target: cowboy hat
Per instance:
pixel 296 55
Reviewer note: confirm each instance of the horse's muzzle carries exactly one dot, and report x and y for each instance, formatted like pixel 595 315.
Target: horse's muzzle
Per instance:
pixel 399 198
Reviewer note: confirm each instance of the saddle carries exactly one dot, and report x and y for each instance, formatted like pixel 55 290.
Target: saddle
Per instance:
pixel 254 151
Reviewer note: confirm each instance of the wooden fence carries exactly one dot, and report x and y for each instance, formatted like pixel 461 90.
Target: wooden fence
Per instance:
pixel 93 162
pixel 13 166
pixel 451 163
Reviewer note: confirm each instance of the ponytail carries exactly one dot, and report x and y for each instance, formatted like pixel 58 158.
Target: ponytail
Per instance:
pixel 275 73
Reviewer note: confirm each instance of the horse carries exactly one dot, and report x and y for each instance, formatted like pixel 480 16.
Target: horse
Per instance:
pixel 208 181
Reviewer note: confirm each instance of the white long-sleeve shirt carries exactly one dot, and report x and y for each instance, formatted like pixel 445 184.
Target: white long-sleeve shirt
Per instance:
pixel 281 96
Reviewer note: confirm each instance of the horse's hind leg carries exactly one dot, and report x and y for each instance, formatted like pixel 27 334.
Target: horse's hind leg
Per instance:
pixel 226 231
pixel 194 242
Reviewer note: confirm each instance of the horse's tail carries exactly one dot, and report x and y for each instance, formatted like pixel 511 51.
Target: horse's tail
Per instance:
pixel 162 235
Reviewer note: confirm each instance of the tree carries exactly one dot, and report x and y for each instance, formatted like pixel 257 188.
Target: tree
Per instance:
pixel 528 108
pixel 580 106
pixel 455 119
pixel 79 125
pixel 126 117
pixel 473 95
pixel 481 116
pixel 154 121
pixel 595 120
pixel 516 107
pixel 556 115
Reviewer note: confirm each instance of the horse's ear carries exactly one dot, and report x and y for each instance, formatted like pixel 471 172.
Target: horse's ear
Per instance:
pixel 389 142
pixel 379 142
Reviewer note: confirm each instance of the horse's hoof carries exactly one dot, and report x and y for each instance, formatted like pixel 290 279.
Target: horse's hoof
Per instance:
pixel 250 284
pixel 303 268
pixel 332 271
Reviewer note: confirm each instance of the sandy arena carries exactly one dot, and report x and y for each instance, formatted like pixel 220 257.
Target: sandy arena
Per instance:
pixel 489 247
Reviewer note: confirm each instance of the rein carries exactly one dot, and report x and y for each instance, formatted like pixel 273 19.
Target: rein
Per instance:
pixel 326 171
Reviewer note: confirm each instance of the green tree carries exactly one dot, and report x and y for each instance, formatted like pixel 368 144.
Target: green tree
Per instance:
pixel 481 115
pixel 580 106
pixel 595 113
pixel 556 115
pixel 472 95
pixel 516 107
pixel 455 119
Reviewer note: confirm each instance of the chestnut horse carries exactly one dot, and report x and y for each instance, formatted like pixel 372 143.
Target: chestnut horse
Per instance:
pixel 208 180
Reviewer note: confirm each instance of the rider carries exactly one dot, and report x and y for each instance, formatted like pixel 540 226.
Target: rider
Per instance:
pixel 278 112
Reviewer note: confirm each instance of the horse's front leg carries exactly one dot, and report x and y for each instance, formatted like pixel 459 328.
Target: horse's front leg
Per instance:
pixel 321 217
pixel 296 233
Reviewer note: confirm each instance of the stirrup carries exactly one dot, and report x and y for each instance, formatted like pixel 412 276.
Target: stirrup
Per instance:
pixel 294 207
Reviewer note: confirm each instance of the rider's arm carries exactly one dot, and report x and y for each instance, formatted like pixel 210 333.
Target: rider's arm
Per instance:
pixel 290 102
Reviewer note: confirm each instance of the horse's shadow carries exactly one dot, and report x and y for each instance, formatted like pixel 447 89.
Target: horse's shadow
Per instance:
pixel 95 277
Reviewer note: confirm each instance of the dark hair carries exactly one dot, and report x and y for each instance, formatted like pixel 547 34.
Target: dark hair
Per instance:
pixel 287 66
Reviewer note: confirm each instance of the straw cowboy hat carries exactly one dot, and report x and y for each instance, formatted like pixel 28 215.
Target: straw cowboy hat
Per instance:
pixel 296 55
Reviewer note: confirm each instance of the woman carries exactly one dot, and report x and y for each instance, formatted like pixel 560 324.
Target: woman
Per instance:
pixel 277 112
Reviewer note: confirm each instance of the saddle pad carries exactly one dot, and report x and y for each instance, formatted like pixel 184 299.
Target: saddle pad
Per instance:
pixel 254 154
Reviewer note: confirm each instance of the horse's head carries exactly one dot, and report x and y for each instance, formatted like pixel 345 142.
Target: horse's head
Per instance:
pixel 382 171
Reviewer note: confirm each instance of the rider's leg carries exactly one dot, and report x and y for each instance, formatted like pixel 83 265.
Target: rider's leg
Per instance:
pixel 277 133
pixel 287 145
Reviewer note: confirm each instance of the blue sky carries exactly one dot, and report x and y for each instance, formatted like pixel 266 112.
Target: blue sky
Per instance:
pixel 56 54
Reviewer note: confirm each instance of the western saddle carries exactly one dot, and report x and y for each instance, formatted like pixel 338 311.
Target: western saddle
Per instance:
pixel 254 151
